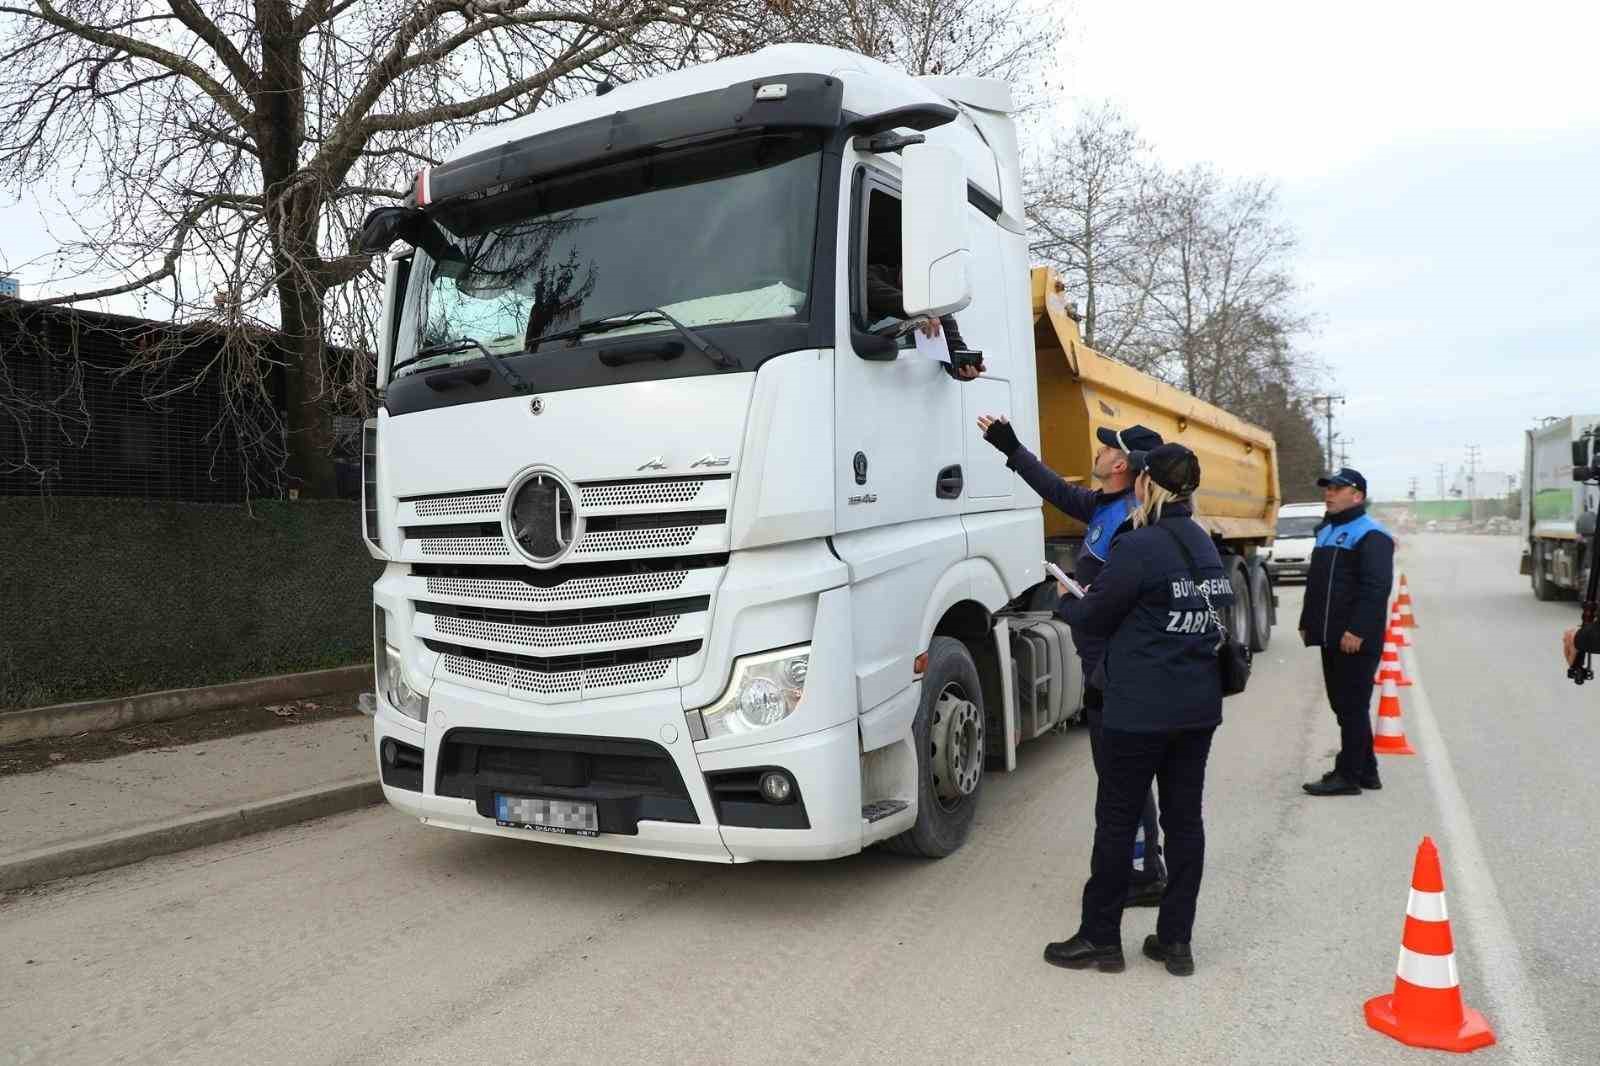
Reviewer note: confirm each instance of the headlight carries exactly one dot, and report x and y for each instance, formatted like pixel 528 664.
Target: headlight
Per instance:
pixel 766 689
pixel 391 678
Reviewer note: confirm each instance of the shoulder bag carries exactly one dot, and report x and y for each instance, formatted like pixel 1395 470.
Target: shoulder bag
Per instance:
pixel 1233 656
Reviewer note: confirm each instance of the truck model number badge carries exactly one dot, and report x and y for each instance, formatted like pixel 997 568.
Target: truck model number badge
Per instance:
pixel 655 462
pixel 711 460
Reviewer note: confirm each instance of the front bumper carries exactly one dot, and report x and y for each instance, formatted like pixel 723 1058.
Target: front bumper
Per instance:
pixel 824 765
pixel 1288 568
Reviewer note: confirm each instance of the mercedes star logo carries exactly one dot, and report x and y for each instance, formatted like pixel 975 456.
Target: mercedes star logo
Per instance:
pixel 536 405
pixel 542 521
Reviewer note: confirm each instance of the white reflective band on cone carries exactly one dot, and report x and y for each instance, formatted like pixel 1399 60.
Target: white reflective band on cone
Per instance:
pixel 1389 726
pixel 1427 971
pixel 1426 906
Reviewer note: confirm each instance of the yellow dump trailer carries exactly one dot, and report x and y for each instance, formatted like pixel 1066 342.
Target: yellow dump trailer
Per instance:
pixel 1081 390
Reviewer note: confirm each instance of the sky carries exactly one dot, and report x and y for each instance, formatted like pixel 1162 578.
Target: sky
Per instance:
pixel 1438 161
pixel 1441 165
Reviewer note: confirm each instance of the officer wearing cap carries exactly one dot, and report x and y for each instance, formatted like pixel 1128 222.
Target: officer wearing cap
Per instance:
pixel 1158 604
pixel 1345 613
pixel 1107 514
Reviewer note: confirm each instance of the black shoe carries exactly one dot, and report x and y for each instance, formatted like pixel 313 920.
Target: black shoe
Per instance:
pixel 1178 957
pixel 1145 893
pixel 1332 783
pixel 1079 954
pixel 1371 783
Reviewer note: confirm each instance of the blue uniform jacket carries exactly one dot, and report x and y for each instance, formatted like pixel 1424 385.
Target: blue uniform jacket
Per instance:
pixel 1160 666
pixel 1347 589
pixel 1107 519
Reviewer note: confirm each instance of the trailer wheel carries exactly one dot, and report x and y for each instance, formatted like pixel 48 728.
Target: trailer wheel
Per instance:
pixel 1543 587
pixel 1239 614
pixel 1260 609
pixel 949 734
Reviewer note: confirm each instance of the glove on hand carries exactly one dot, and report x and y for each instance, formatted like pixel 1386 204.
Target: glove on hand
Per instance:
pixel 1002 436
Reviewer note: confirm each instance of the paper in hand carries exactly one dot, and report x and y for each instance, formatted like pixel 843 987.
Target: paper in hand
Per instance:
pixel 1060 575
pixel 934 348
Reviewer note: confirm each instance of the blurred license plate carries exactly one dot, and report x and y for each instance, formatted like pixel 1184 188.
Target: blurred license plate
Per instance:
pixel 571 817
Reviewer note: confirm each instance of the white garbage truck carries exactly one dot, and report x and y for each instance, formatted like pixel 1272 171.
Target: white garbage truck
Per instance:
pixel 1554 550
pixel 689 551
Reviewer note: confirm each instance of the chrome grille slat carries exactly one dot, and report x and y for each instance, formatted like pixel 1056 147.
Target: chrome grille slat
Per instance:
pixel 577 589
pixel 559 636
pixel 625 540
pixel 491 546
pixel 641 493
pixel 477 503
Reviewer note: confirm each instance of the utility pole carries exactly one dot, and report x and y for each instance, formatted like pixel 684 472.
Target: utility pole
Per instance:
pixel 1438 469
pixel 1413 496
pixel 1327 413
pixel 1344 450
pixel 1473 454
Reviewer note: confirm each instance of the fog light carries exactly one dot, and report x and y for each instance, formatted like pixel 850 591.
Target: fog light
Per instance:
pixel 389 752
pixel 776 787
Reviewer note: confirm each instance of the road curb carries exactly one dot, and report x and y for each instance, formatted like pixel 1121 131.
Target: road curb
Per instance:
pixel 98 716
pixel 190 831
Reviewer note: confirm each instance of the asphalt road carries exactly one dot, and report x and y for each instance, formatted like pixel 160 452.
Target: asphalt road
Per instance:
pixel 368 938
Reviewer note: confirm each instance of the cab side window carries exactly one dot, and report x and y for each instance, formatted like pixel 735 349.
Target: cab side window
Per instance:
pixel 880 281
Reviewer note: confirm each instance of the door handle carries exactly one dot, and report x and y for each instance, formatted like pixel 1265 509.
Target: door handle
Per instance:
pixel 949 484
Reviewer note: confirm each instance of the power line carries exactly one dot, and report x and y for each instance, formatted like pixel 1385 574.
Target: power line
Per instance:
pixel 1327 413
pixel 1473 454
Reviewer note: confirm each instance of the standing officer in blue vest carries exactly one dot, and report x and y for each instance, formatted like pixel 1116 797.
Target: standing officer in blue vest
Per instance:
pixel 1107 512
pixel 1346 613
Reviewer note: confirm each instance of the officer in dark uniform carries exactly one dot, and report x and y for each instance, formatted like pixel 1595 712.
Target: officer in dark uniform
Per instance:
pixel 1106 513
pixel 1346 614
pixel 1158 603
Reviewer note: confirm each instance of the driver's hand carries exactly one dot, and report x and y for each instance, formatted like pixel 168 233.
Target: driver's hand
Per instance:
pixel 931 328
pixel 967 373
pixel 1569 646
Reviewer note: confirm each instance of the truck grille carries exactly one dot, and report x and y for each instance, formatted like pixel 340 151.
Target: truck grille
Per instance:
pixel 631 600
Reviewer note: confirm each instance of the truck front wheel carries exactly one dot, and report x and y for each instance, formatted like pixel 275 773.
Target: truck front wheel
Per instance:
pixel 1543 587
pixel 949 734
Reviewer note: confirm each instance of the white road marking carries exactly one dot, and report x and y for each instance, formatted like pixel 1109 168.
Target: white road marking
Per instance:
pixel 1518 1020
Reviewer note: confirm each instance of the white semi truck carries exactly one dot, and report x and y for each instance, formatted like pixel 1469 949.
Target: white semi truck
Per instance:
pixel 683 558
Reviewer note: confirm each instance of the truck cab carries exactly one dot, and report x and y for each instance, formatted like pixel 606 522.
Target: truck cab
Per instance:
pixel 669 530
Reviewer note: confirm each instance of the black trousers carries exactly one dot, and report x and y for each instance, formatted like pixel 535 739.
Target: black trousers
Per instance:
pixel 1348 679
pixel 1176 761
pixel 1094 701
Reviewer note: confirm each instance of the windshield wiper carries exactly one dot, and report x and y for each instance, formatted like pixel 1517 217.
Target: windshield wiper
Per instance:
pixel 466 344
pixel 640 317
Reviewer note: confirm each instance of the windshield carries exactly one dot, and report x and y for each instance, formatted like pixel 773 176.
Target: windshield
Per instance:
pixel 712 235
pixel 1303 526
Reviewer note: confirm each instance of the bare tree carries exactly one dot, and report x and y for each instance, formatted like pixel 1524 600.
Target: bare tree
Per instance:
pixel 1090 200
pixel 229 149
pixel 1008 39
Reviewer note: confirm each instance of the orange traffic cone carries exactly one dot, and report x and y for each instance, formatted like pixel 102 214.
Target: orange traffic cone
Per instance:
pixel 1389 667
pixel 1425 1009
pixel 1400 631
pixel 1389 738
pixel 1408 620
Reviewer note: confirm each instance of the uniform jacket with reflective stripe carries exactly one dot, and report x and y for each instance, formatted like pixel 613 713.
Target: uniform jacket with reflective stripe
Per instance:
pixel 1107 519
pixel 1352 568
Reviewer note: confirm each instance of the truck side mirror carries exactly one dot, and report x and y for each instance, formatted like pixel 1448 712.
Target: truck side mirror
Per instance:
pixel 397 271
pixel 385 225
pixel 934 249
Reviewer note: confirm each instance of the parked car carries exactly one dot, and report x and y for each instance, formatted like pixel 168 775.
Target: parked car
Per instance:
pixel 1289 556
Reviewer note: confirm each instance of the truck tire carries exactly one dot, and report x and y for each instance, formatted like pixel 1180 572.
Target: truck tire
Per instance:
pixel 1260 609
pixel 1543 587
pixel 1238 619
pixel 949 734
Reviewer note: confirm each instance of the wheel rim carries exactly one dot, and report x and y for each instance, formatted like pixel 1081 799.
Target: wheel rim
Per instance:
pixel 1239 622
pixel 955 747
